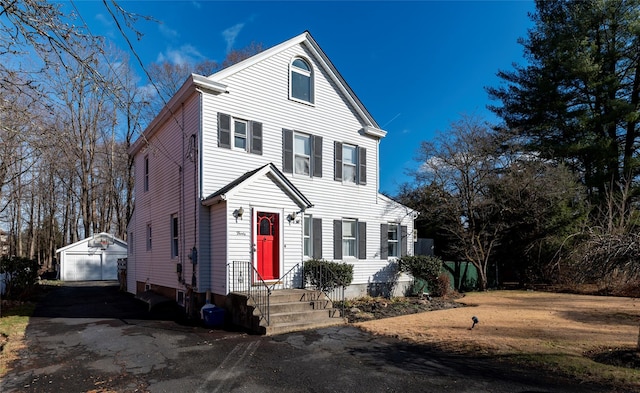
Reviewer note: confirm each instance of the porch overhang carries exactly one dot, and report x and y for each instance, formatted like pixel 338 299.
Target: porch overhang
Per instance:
pixel 242 182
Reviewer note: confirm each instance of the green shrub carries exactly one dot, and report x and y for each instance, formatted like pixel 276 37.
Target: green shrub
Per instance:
pixel 326 275
pixel 20 276
pixel 423 267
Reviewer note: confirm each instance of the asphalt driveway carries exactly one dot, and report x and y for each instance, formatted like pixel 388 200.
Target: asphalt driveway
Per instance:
pixel 88 337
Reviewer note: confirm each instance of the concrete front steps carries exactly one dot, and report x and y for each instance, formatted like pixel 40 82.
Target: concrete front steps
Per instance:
pixel 300 309
pixel 289 310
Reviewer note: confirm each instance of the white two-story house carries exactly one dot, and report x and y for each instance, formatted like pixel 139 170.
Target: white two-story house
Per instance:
pixel 271 162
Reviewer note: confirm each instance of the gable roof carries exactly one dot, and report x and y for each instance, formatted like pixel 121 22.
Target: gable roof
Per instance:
pixel 246 179
pixel 393 202
pixel 213 85
pixel 371 128
pixel 87 239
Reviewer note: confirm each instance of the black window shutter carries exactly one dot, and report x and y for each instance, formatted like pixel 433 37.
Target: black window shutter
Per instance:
pixel 256 137
pixel 337 239
pixel 316 150
pixel 338 161
pixel 384 241
pixel 316 225
pixel 224 130
pixel 287 151
pixel 362 240
pixel 403 236
pixel 362 165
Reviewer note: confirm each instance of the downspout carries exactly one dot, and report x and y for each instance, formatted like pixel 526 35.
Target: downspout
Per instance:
pixel 181 211
pixel 197 184
pixel 377 169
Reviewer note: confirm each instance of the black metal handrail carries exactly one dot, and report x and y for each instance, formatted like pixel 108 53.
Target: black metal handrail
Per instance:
pixel 291 279
pixel 244 278
pixel 325 280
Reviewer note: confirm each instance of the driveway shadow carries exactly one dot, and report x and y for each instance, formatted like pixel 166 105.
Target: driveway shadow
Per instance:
pixel 100 299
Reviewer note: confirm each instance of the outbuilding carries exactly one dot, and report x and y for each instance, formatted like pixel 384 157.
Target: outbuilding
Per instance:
pixel 94 258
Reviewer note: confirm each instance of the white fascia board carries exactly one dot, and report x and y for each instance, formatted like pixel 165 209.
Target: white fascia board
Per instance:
pixel 193 82
pixel 262 172
pixel 266 171
pixel 339 81
pixel 214 200
pixel 258 57
pixel 373 131
pixel 86 240
pixel 409 210
pixel 204 83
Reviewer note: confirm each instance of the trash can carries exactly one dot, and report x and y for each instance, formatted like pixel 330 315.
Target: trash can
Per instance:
pixel 213 316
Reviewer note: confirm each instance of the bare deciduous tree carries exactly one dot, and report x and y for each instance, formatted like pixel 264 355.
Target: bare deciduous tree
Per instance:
pixel 460 163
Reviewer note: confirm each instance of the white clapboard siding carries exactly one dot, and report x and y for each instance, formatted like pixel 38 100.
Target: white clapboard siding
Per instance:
pixel 172 190
pixel 261 194
pixel 260 93
pixel 132 251
pixel 219 214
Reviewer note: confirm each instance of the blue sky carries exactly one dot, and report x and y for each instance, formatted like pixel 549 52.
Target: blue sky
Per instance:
pixel 416 65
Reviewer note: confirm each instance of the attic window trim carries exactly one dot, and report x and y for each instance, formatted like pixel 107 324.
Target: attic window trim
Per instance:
pixel 302 74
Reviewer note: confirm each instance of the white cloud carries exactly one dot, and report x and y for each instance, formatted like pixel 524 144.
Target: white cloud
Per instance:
pixel 230 35
pixel 107 25
pixel 196 4
pixel 148 90
pixel 167 32
pixel 186 54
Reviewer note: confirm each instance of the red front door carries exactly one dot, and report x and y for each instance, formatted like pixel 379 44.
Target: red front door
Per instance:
pixel 268 245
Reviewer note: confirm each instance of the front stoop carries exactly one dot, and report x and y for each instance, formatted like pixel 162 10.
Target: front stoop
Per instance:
pixel 290 310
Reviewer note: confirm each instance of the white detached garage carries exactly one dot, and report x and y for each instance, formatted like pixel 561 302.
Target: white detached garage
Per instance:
pixel 94 258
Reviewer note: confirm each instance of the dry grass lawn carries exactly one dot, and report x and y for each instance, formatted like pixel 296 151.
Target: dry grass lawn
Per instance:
pixel 537 327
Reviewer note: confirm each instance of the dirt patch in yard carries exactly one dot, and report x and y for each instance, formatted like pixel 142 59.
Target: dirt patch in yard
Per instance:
pixel 371 308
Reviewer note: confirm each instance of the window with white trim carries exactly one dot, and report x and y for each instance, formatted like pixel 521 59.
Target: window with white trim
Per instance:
pixel 307 237
pixel 174 236
pixel 349 163
pixel 301 81
pixel 240 134
pixel 302 154
pixel 349 238
pixel 393 237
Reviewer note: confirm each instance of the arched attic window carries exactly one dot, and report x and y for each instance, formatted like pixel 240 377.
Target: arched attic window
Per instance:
pixel 301 81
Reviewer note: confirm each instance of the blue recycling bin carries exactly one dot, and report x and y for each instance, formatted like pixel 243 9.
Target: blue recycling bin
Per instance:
pixel 213 316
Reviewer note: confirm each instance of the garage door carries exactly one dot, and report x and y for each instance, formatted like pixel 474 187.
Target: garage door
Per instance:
pixel 87 267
